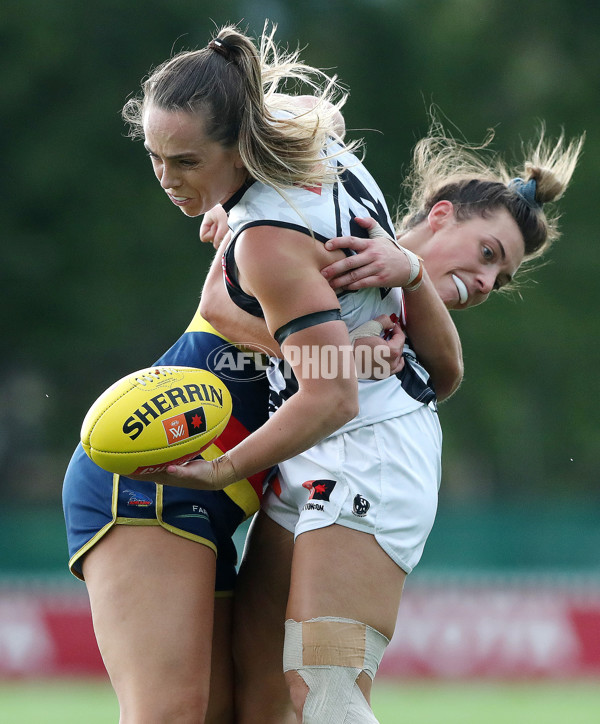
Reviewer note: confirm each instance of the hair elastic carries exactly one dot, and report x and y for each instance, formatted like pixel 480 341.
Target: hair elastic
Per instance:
pixel 526 191
pixel 221 46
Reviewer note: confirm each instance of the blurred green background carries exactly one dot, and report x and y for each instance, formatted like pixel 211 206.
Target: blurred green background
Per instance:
pixel 100 275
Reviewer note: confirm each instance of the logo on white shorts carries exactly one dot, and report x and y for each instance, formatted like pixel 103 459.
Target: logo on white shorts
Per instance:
pixel 360 506
pixel 319 490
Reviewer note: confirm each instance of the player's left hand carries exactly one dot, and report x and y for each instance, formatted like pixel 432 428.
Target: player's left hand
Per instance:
pixel 384 357
pixel 377 263
pixel 214 227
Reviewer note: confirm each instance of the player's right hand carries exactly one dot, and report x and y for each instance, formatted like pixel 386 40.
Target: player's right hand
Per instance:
pixel 378 261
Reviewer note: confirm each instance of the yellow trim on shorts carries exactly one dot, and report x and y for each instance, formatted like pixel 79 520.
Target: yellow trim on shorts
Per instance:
pixel 116 520
pixel 101 533
pixel 136 521
pixel 178 531
pixel 242 493
pixel 88 546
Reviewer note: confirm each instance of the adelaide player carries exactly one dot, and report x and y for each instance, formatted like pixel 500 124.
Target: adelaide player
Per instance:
pixel 144 549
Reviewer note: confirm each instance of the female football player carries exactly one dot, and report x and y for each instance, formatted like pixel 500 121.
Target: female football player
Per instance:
pixel 474 222
pixel 358 460
pixel 151 555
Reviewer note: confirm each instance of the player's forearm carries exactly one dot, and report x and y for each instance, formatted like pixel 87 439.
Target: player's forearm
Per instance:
pixel 287 433
pixel 323 403
pixel 434 338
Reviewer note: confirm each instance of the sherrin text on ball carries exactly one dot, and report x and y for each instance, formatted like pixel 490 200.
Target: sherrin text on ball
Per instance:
pixel 155 417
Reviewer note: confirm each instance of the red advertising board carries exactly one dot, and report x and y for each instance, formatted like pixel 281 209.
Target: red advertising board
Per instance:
pixel 515 631
pixel 47 635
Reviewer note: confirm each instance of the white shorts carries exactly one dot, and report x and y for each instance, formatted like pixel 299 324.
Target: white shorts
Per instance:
pixel 382 479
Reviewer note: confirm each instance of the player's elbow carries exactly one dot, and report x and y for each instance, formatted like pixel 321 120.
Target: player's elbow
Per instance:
pixel 211 312
pixel 343 407
pixel 447 382
pixel 346 412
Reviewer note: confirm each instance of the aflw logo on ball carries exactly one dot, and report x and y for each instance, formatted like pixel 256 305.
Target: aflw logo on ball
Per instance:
pixel 169 399
pixel 185 425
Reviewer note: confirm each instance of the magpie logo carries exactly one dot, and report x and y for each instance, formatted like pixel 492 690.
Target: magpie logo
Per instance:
pixel 360 506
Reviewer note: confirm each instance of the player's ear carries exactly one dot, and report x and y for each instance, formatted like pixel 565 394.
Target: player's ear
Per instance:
pixel 441 214
pixel 238 163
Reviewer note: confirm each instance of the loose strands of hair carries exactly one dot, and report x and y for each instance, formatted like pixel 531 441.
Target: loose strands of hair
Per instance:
pixel 236 95
pixel 552 166
pixel 288 150
pixel 476 181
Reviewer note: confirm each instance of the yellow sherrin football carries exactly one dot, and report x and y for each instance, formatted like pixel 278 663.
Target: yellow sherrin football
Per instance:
pixel 155 417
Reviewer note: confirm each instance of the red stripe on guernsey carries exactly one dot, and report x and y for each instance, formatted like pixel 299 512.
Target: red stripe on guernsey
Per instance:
pixel 233 434
pixel 401 320
pixel 227 279
pixel 313 189
pixel 275 484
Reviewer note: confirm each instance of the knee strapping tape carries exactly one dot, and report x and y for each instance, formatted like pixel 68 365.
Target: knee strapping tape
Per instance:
pixel 329 654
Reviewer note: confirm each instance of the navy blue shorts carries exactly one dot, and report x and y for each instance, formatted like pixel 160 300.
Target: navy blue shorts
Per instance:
pixel 95 500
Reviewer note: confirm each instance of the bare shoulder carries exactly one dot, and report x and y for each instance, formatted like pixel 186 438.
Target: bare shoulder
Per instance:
pixel 276 250
pixel 281 268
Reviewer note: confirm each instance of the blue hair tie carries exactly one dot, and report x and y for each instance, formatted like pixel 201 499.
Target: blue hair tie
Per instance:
pixel 526 191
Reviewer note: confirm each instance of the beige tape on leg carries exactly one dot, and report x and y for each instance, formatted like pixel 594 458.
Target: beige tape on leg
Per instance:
pixel 329 654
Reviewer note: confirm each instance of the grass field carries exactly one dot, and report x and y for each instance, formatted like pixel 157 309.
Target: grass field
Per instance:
pixel 79 702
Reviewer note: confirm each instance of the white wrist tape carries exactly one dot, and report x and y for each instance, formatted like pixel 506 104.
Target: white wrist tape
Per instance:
pixel 415 267
pixel 415 276
pixel 372 328
pixel 379 231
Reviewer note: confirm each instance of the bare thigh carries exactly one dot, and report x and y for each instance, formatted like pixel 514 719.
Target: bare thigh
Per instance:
pixel 220 701
pixel 152 597
pixel 344 573
pixel 262 695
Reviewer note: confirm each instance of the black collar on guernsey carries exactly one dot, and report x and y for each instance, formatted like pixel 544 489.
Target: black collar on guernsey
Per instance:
pixel 231 202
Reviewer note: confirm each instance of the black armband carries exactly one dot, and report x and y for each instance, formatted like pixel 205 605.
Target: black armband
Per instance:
pixel 308 320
